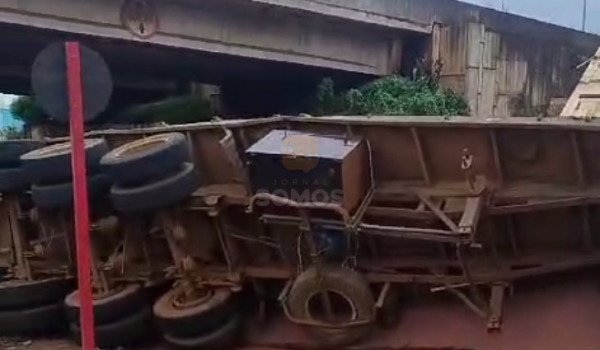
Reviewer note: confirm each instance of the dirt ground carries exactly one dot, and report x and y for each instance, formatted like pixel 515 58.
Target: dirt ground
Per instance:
pixel 50 344
pixel 26 344
pixel 561 315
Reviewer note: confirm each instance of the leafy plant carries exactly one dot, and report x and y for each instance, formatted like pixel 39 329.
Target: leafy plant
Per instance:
pixel 28 111
pixel 392 95
pixel 176 110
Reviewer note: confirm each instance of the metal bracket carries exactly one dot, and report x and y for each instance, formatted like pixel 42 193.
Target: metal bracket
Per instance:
pixel 495 311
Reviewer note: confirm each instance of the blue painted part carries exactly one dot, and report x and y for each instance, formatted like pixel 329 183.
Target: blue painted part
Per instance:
pixel 332 244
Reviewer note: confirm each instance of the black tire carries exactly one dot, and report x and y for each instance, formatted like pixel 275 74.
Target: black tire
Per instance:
pixel 61 195
pixel 203 318
pixel 226 337
pixel 157 288
pixel 45 319
pixel 15 295
pixel 146 159
pixel 345 282
pixel 116 306
pixel 12 180
pixel 129 331
pixel 12 150
pixel 158 194
pixel 52 164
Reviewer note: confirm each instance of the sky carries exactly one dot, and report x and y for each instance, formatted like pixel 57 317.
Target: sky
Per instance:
pixel 5 100
pixel 568 13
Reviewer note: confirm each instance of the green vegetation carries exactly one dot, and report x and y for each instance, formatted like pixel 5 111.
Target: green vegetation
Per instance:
pixel 392 95
pixel 176 110
pixel 28 111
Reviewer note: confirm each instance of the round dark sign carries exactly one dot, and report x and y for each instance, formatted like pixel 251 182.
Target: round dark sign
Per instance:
pixel 49 82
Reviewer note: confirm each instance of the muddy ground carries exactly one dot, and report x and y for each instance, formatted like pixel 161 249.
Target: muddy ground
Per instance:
pixel 561 315
pixel 50 344
pixel 61 344
pixel 26 344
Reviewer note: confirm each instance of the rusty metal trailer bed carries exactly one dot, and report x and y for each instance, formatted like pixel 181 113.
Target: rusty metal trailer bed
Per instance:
pixel 457 204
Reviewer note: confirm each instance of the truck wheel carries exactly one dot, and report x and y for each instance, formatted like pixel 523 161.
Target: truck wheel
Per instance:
pixel 17 294
pixel 353 292
pixel 12 180
pixel 111 308
pixel 12 150
pixel 159 194
pixel 223 338
pixel 41 319
pixel 146 159
pixel 61 195
pixel 128 331
pixel 52 164
pixel 203 315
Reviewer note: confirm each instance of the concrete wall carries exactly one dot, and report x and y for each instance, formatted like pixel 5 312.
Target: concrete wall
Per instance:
pixel 242 29
pixel 506 64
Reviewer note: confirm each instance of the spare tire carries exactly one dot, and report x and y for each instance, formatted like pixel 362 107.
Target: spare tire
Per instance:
pixel 146 159
pixel 225 337
pixel 350 285
pixel 45 319
pixel 52 164
pixel 18 294
pixel 156 195
pixel 128 331
pixel 111 308
pixel 205 315
pixel 12 150
pixel 13 181
pixel 61 195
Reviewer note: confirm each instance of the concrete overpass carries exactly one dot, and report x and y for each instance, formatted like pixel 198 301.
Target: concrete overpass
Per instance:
pixel 252 48
pixel 300 32
pixel 504 64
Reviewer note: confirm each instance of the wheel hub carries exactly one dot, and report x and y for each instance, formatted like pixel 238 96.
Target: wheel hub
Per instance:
pixel 96 295
pixel 191 297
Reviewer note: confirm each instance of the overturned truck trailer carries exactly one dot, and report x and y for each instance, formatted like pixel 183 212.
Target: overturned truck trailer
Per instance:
pixel 331 223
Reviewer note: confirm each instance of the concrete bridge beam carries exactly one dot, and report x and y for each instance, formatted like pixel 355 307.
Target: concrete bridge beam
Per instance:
pixel 240 28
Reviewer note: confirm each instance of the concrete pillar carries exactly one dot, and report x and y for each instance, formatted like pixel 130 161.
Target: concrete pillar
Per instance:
pixel 209 92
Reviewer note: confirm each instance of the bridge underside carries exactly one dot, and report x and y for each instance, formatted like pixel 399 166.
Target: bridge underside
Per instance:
pixel 264 57
pixel 234 27
pixel 143 72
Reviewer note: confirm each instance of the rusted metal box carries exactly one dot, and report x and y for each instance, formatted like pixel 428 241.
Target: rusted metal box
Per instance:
pixel 305 167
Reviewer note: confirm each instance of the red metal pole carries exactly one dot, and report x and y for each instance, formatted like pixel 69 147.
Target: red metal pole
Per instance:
pixel 80 195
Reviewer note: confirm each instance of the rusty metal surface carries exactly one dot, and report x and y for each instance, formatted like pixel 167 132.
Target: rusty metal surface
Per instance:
pixel 458 205
pixel 510 153
pixel 39 245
